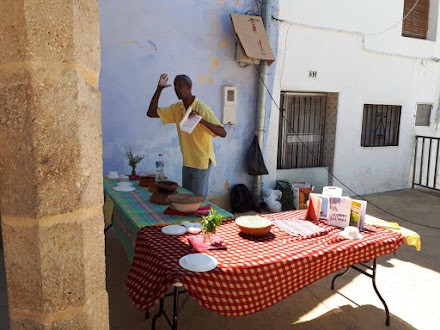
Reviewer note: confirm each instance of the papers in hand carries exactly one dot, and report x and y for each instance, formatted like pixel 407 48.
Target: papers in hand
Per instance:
pixel 188 124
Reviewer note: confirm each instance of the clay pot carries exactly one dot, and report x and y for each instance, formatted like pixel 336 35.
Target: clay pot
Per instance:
pixel 161 197
pixel 167 185
pixel 147 180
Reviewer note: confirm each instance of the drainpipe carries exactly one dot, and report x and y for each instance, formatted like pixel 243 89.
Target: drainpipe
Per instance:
pixel 261 101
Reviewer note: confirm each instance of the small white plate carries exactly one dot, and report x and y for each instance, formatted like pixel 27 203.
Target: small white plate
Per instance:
pixel 359 237
pixel 194 230
pixel 124 188
pixel 123 177
pixel 188 224
pixel 198 262
pixel 192 227
pixel 124 184
pixel 174 230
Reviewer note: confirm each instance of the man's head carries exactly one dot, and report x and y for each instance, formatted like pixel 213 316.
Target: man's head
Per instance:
pixel 182 86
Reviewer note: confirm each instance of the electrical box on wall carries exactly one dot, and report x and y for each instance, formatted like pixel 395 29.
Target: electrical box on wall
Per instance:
pixel 229 104
pixel 241 57
pixel 253 44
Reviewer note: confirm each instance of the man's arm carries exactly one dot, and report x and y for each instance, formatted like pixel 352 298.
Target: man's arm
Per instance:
pixel 163 83
pixel 216 129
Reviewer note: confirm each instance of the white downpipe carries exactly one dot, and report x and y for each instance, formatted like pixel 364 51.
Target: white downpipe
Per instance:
pixel 261 101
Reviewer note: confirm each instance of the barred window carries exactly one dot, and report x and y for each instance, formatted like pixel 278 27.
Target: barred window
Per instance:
pixel 380 125
pixel 301 130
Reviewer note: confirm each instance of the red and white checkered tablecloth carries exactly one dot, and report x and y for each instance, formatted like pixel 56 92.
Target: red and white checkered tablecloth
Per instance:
pixel 253 273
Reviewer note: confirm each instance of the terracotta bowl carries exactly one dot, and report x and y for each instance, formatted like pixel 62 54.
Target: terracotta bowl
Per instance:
pixel 254 225
pixel 161 197
pixel 167 185
pixel 186 202
pixel 189 208
pixel 147 180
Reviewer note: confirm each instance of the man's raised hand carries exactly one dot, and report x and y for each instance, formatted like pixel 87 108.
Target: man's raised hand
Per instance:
pixel 163 81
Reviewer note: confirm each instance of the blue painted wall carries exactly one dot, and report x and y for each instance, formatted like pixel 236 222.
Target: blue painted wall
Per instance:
pixel 142 39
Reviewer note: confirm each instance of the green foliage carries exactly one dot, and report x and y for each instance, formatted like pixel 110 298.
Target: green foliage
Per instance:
pixel 133 160
pixel 211 222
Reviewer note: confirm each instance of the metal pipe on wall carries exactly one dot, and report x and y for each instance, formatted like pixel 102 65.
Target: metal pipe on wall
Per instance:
pixel 261 100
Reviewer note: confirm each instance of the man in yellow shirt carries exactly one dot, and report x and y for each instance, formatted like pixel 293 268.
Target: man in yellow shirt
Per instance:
pixel 197 150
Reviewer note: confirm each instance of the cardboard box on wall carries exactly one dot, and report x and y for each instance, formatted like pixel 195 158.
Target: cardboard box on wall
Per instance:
pixel 251 34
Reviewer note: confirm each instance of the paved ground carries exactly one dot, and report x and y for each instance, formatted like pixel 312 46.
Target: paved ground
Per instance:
pixel 409 282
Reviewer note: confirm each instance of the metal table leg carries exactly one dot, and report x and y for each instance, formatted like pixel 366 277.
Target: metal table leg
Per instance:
pixel 373 278
pixel 159 313
pixel 337 275
pixel 172 323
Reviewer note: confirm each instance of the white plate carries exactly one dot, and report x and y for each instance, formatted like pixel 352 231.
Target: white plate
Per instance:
pixel 348 237
pixel 174 230
pixel 194 230
pixel 188 224
pixel 198 262
pixel 124 188
pixel 123 177
pixel 192 227
pixel 124 184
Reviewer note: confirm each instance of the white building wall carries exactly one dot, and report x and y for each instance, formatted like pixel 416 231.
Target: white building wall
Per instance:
pixel 340 40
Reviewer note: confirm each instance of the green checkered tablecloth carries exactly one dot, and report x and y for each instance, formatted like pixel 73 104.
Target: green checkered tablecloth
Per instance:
pixel 133 210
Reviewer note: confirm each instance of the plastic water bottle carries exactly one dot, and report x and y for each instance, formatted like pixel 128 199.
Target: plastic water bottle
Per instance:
pixel 160 174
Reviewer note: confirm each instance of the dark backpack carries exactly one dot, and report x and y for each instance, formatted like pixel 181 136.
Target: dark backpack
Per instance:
pixel 241 199
pixel 287 195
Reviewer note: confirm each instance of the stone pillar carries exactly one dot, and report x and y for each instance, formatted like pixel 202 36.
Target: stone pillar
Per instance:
pixel 51 164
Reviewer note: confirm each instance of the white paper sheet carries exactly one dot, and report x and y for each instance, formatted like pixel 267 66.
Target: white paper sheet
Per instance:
pixel 188 124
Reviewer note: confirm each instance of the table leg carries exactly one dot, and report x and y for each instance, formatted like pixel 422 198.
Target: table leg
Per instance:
pixel 175 307
pixel 107 228
pixel 159 313
pixel 337 275
pixel 105 239
pixel 171 322
pixel 373 278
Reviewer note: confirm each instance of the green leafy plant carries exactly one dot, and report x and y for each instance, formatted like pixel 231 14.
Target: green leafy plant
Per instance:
pixel 211 222
pixel 133 160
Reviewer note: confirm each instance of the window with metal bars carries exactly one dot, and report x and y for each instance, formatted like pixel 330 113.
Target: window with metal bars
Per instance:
pixel 301 130
pixel 380 125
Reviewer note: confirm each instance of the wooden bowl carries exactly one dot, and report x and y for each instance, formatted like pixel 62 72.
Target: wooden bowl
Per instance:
pixel 167 185
pixel 254 225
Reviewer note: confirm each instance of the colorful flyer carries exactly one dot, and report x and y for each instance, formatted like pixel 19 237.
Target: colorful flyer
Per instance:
pixel 339 211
